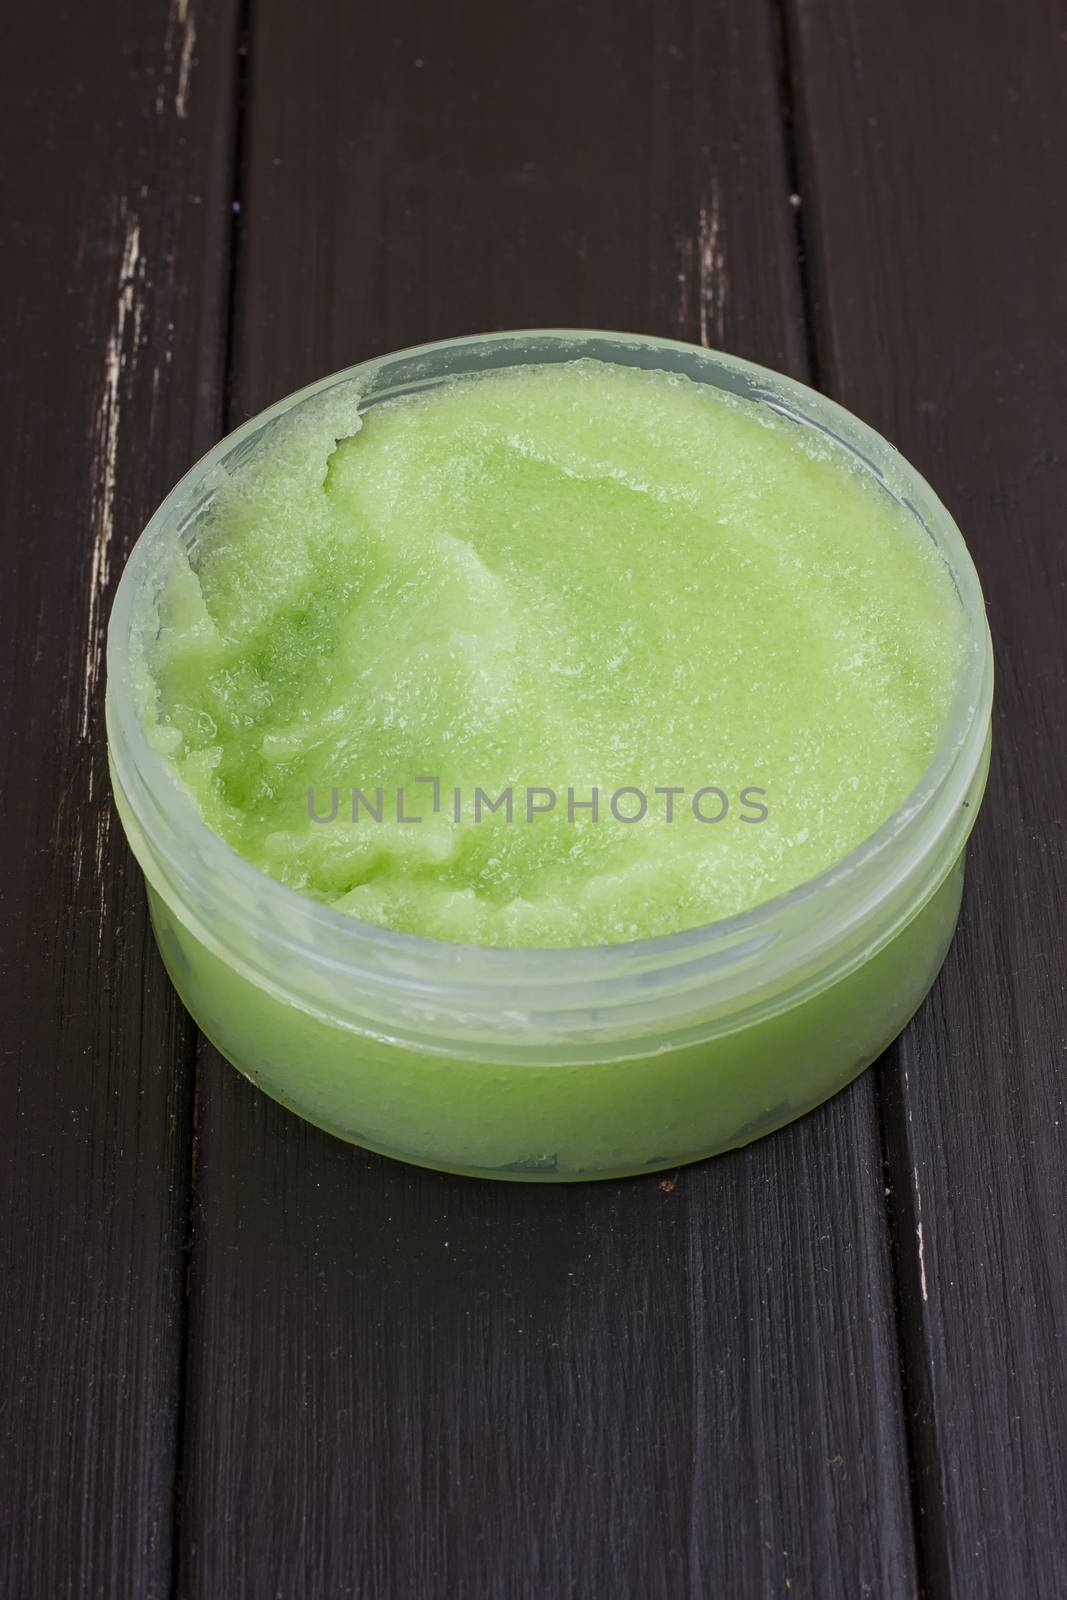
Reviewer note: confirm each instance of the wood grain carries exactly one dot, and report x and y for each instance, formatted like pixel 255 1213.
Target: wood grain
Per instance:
pixel 114 147
pixel 770 1377
pixel 404 1383
pixel 932 142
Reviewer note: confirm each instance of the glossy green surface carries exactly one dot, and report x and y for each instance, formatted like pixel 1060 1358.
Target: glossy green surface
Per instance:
pixel 556 577
pixel 541 1120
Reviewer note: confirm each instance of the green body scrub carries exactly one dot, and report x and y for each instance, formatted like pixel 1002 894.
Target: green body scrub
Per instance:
pixel 472 584
pixel 561 579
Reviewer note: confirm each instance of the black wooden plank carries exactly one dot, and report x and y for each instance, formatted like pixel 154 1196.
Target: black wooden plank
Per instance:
pixel 403 1383
pixel 932 141
pixel 115 129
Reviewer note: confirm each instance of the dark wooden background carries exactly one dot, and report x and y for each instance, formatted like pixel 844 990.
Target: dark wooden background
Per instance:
pixel 241 1359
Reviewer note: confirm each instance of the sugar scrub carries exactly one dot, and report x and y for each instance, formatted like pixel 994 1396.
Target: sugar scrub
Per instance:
pixel 571 578
pixel 534 565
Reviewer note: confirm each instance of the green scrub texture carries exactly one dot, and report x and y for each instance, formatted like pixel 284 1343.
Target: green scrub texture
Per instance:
pixel 567 577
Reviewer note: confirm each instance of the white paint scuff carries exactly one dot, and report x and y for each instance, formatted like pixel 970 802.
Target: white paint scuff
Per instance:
pixel 919 1234
pixel 711 273
pixel 178 45
pixel 123 337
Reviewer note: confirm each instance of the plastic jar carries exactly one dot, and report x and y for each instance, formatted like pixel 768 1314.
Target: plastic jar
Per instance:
pixel 550 1064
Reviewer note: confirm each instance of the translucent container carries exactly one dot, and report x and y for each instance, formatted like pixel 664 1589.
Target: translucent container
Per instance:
pixel 550 1065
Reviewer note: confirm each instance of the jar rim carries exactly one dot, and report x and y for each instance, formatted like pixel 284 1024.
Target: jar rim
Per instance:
pixel 193 855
